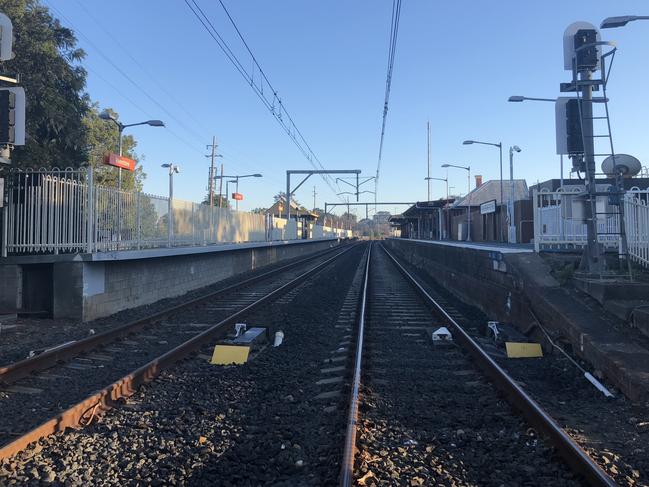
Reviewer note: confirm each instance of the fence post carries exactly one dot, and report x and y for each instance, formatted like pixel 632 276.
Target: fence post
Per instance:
pixel 138 216
pixel 537 223
pixel 5 216
pixel 193 226
pixel 90 224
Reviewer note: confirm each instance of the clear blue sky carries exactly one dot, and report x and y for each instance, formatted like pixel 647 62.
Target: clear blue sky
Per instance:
pixel 456 64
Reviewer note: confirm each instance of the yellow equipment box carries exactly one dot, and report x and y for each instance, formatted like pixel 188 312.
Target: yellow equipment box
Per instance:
pixel 230 354
pixel 523 350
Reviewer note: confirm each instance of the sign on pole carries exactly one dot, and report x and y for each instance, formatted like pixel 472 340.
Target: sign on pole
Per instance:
pixel 237 196
pixel 119 161
pixel 488 207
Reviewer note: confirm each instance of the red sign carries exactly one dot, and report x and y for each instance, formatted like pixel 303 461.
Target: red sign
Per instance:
pixel 237 196
pixel 119 161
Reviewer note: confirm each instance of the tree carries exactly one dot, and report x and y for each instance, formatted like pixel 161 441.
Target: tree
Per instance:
pixel 101 138
pixel 47 59
pixel 259 211
pixel 224 200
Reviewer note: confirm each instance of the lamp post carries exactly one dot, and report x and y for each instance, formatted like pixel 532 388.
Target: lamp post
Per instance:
pixel 468 208
pixel 500 149
pixel 510 205
pixel 236 180
pixel 227 188
pixel 106 115
pixel 612 22
pixel 170 218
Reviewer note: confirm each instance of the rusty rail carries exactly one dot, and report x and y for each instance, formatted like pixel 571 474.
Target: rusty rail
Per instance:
pixel 18 370
pixel 571 452
pixel 109 396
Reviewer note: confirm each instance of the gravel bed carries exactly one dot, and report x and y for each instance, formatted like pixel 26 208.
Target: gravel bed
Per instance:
pixel 37 334
pixel 614 431
pixel 197 424
pixel 428 416
pixel 64 386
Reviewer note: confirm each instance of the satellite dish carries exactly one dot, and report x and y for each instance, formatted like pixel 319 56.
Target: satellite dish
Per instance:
pixel 623 164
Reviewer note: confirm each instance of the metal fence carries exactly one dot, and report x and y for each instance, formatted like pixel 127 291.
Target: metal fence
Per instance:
pixel 636 212
pixel 559 221
pixel 64 211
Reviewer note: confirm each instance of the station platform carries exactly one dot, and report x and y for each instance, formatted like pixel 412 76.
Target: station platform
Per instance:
pixel 90 286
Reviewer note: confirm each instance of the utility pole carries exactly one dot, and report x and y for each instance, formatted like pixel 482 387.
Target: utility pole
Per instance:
pixel 314 195
pixel 213 145
pixel 428 178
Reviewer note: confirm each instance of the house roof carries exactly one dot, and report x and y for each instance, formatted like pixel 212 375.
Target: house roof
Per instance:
pixel 491 191
pixel 295 209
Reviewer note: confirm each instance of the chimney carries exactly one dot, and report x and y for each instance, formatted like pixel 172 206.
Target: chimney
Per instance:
pixel 478 181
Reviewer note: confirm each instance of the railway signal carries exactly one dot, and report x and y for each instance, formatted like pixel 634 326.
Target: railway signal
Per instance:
pixel 12 100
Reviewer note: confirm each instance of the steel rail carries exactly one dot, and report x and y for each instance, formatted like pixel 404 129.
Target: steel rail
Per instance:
pixel 108 397
pixel 18 370
pixel 347 468
pixel 571 452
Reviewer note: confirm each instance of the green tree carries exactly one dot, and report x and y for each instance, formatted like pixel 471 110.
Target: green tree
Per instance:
pixel 47 60
pixel 102 138
pixel 224 200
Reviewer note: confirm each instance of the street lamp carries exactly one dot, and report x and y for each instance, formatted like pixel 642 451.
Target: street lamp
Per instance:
pixel 106 115
pixel 612 22
pixel 227 188
pixel 236 180
pixel 510 206
pixel 500 149
pixel 173 168
pixel 468 209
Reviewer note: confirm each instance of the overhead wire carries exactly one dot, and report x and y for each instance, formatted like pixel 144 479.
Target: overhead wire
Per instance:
pixel 394 33
pixel 152 78
pixel 197 136
pixel 130 80
pixel 274 104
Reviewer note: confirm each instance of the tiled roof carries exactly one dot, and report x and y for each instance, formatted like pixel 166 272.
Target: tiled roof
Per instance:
pixel 491 191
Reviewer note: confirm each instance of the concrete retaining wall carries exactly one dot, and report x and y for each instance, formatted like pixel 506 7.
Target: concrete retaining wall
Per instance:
pixel 89 289
pixel 518 288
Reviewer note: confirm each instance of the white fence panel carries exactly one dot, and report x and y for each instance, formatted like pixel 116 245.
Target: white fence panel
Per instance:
pixel 63 211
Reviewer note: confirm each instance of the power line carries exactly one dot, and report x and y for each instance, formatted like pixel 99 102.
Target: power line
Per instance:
pixel 260 84
pixel 130 80
pixel 394 32
pixel 154 79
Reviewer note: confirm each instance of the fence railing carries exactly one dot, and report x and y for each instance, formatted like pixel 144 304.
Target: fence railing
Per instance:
pixel 64 211
pixel 636 214
pixel 559 221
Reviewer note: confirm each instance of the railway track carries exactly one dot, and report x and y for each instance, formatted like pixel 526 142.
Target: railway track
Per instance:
pixel 424 414
pixel 69 385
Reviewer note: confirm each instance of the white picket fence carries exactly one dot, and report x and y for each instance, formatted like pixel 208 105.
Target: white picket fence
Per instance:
pixel 559 222
pixel 64 211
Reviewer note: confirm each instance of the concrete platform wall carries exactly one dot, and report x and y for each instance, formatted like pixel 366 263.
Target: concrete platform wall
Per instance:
pixel 89 289
pixel 517 288
pixel 478 277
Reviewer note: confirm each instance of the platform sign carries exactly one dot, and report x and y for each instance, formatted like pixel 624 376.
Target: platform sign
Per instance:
pixel 119 161
pixel 488 207
pixel 237 196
